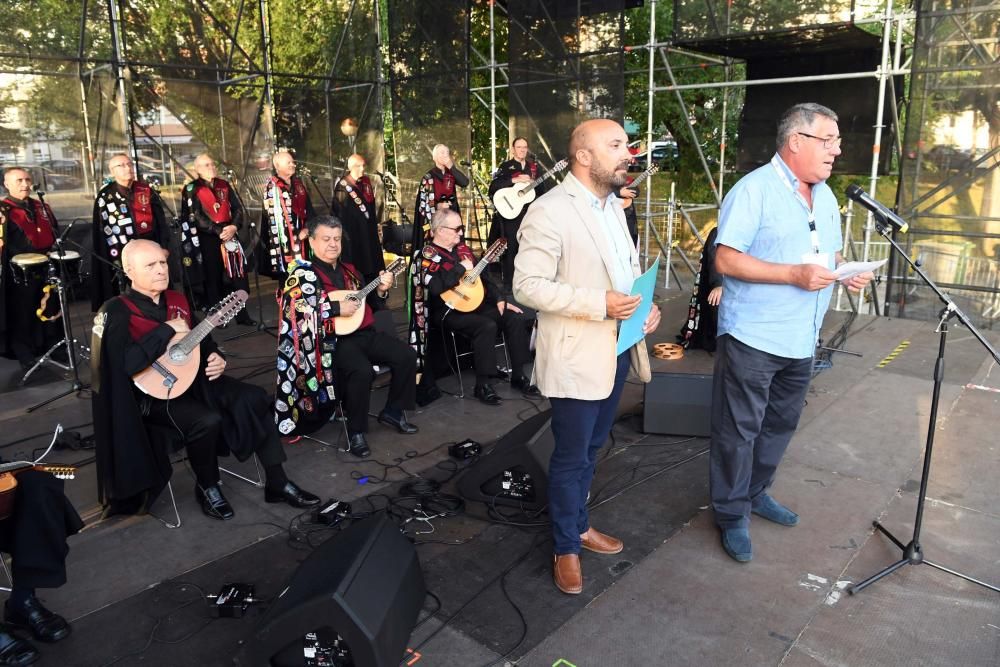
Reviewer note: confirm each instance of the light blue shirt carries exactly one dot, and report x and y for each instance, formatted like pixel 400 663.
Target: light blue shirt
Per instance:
pixel 764 219
pixel 619 242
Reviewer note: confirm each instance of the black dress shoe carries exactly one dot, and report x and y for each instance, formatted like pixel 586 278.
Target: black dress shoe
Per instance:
pixel 358 445
pixel 291 493
pixel 487 394
pixel 400 424
pixel 44 625
pixel 213 503
pixel 15 651
pixel 527 389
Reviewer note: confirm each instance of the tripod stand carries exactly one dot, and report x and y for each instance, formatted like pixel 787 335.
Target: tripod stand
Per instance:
pixel 59 281
pixel 913 553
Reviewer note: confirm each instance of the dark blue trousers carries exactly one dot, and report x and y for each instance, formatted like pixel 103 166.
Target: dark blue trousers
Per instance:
pixel 580 428
pixel 757 399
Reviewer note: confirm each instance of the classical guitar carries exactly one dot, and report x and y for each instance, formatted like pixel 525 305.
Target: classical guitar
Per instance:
pixel 174 372
pixel 469 292
pixel 8 481
pixel 346 324
pixel 510 201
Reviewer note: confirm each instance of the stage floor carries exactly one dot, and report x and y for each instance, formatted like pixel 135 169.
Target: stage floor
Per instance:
pixel 672 597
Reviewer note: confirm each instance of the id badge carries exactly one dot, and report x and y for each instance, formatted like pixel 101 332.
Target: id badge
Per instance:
pixel 823 259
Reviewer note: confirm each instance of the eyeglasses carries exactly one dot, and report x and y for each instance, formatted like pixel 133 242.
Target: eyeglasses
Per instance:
pixel 828 142
pixel 459 229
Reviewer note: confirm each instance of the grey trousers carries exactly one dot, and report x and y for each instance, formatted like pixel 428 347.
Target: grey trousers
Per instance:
pixel 757 399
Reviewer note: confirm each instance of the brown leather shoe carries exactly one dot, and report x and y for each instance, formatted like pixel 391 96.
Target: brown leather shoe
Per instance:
pixel 567 574
pixel 598 542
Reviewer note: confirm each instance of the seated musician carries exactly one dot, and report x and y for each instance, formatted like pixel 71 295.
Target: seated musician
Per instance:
pixel 312 359
pixel 28 229
pixel 35 537
pixel 216 414
pixel 445 260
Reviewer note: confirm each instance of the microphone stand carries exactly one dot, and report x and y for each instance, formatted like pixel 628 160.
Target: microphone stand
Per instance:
pixel 261 325
pixel 912 552
pixel 68 340
pixel 477 190
pixel 404 220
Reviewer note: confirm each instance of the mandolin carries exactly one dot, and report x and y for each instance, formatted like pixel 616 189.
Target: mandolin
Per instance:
pixel 347 324
pixel 510 201
pixel 8 481
pixel 174 372
pixel 469 292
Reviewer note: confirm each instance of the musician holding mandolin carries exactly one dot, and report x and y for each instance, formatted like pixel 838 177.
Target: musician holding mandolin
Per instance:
pixel 445 262
pixel 34 534
pixel 136 331
pixel 328 344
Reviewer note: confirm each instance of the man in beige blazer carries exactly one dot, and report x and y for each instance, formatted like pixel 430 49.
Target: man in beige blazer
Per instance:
pixel 575 266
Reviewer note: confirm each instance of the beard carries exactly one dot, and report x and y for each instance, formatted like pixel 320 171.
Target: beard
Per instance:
pixel 608 180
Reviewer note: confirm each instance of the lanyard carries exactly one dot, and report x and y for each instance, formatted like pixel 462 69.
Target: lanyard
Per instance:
pixel 811 219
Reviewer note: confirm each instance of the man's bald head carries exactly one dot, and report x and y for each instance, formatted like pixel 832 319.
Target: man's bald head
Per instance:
pixel 204 166
pixel 599 156
pixel 137 249
pixel 145 264
pixel 284 164
pixel 355 160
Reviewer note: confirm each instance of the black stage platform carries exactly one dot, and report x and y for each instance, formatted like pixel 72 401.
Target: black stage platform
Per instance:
pixel 671 598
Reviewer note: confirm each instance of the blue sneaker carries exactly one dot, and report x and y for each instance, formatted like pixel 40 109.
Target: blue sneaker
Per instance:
pixel 736 542
pixel 772 510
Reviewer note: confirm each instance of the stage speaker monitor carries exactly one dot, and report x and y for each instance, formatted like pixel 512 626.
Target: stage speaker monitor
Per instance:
pixel 678 404
pixel 352 601
pixel 515 471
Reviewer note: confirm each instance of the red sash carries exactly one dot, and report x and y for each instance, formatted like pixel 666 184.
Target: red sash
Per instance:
pixel 364 186
pixel 38 230
pixel 139 325
pixel 214 199
pixel 532 171
pixel 444 187
pixel 141 208
pixel 352 282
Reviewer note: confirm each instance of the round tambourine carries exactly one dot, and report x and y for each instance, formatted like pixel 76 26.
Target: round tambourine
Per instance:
pixel 668 351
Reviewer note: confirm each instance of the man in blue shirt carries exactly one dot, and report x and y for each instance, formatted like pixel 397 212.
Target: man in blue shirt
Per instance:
pixel 778 244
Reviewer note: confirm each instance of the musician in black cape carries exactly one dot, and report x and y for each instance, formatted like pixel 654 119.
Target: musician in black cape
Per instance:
pixel 28 226
pixel 519 169
pixel 35 537
pixel 218 415
pixel 354 206
pixel 437 190
pixel 212 219
pixel 126 208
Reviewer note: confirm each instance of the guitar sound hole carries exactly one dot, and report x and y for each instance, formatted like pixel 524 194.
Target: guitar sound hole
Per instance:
pixel 177 354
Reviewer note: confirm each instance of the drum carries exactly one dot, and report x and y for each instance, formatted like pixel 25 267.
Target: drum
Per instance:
pixel 67 265
pixel 29 267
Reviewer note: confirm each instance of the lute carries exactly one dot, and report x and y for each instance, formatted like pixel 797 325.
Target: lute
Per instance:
pixel 175 370
pixel 469 292
pixel 510 201
pixel 347 324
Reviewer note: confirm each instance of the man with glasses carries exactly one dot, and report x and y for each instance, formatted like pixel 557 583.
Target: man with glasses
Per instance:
pixel 779 241
pixel 443 262
pixel 126 208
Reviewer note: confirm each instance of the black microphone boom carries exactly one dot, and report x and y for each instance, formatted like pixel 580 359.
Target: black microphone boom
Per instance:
pixel 465 163
pixel 881 212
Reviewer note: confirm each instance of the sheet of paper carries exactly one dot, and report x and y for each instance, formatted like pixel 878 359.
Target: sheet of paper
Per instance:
pixel 851 269
pixel 630 332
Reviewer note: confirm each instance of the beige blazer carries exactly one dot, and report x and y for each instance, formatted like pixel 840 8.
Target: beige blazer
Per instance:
pixel 563 269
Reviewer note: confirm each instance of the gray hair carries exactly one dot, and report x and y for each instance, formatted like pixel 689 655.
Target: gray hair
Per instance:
pixel 323 220
pixel 441 216
pixel 798 118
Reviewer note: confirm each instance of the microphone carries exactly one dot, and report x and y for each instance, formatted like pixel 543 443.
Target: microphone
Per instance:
pixel 882 212
pixel 465 163
pixel 37 189
pixel 62 236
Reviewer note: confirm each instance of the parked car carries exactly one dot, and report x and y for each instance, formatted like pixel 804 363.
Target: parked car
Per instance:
pixel 664 153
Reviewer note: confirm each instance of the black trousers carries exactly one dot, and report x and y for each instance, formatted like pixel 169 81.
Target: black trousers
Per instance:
pixel 353 359
pixel 35 534
pixel 757 399
pixel 236 417
pixel 29 337
pixel 218 284
pixel 480 327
